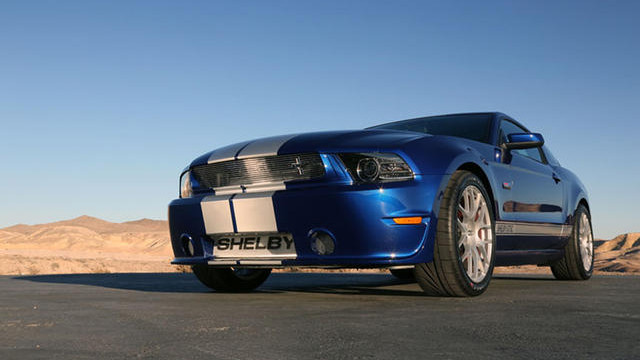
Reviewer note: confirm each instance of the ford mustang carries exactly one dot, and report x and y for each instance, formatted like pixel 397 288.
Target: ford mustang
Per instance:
pixel 440 199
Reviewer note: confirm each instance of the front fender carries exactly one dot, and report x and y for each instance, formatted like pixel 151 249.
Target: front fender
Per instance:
pixel 443 155
pixel 575 192
pixel 439 155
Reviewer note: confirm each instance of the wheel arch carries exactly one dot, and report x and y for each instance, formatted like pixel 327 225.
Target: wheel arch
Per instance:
pixel 583 201
pixel 477 171
pixel 580 199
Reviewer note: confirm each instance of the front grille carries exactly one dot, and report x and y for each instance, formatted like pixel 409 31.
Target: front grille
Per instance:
pixel 259 170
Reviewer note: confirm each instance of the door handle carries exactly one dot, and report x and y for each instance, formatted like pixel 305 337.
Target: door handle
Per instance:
pixel 556 178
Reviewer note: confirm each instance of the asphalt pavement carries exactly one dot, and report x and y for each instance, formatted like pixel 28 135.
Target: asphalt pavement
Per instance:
pixel 315 316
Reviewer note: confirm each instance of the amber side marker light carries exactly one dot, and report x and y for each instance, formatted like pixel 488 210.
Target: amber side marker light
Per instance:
pixel 414 220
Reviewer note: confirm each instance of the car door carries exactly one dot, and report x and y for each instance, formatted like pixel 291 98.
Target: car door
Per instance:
pixel 534 212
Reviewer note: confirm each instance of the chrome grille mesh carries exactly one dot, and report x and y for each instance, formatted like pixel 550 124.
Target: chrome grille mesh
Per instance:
pixel 259 170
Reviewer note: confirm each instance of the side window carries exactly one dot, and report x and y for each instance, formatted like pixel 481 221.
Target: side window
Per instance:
pixel 506 128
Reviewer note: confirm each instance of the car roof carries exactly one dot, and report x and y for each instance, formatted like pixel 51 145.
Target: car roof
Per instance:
pixel 494 114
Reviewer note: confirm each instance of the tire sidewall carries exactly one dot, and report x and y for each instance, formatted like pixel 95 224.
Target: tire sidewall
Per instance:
pixel 466 181
pixel 576 239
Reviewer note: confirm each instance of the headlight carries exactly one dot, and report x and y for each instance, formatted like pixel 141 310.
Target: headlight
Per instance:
pixel 186 190
pixel 376 167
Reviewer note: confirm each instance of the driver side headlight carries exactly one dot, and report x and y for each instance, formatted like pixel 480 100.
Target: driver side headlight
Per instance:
pixel 186 189
pixel 376 167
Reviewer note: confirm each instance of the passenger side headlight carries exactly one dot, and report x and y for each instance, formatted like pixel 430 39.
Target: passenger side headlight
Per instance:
pixel 186 189
pixel 376 167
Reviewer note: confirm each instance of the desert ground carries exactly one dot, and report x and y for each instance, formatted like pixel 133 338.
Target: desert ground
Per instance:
pixel 91 245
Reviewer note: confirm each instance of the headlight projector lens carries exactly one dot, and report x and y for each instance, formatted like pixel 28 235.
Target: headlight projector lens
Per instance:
pixel 368 169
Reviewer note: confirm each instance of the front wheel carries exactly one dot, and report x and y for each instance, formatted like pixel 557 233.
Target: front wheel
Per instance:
pixel 464 249
pixel 230 279
pixel 577 262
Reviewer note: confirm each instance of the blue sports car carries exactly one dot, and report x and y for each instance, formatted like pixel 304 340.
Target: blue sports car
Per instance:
pixel 442 199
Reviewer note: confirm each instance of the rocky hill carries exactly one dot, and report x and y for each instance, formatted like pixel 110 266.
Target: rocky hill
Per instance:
pixel 621 254
pixel 85 244
pixel 89 234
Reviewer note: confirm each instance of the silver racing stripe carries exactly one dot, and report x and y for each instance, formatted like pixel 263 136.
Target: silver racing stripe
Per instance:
pixel 241 209
pixel 226 153
pixel 264 147
pixel 510 228
pixel 216 214
pixel 239 213
pixel 254 212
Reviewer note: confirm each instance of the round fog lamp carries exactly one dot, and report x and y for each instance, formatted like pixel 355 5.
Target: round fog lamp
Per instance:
pixel 187 245
pixel 322 243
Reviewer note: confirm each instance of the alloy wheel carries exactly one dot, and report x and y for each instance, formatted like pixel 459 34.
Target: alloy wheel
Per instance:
pixel 585 239
pixel 475 233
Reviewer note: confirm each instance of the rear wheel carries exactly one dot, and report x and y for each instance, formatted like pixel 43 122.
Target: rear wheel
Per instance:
pixel 230 279
pixel 464 248
pixel 577 262
pixel 404 274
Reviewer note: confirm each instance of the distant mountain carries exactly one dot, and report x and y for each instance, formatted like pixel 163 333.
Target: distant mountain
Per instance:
pixel 95 224
pixel 621 254
pixel 86 233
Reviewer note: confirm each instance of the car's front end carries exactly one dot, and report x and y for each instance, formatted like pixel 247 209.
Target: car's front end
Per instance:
pixel 264 204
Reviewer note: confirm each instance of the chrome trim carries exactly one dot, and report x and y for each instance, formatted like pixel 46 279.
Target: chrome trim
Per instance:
pixel 274 186
pixel 222 262
pixel 245 262
pixel 256 174
pixel 227 190
pixel 260 262
pixel 512 228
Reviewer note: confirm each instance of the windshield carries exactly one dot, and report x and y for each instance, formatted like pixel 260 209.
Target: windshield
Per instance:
pixel 468 126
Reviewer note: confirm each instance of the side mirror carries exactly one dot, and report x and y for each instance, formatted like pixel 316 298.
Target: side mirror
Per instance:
pixel 523 141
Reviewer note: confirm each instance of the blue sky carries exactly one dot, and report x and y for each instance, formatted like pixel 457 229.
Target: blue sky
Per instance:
pixel 103 103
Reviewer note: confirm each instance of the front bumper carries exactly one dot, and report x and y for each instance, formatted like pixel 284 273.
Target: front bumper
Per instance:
pixel 359 218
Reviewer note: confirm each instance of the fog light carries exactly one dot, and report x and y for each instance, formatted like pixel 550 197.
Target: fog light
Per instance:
pixel 322 243
pixel 187 245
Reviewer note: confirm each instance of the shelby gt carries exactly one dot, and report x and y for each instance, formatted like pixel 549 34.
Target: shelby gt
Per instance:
pixel 441 199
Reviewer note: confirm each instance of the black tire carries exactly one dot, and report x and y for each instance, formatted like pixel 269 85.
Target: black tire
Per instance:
pixel 445 275
pixel 403 274
pixel 230 280
pixel 571 267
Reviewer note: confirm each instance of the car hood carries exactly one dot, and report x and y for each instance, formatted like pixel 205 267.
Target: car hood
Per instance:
pixel 373 140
